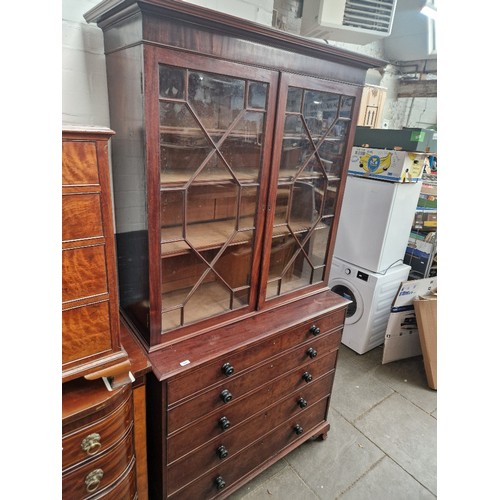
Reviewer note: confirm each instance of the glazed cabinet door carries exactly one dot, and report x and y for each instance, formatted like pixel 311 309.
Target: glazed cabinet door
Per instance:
pixel 211 129
pixel 314 131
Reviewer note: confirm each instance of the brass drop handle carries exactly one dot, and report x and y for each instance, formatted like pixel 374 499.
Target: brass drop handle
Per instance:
pixel 220 483
pixel 91 444
pixel 307 377
pixel 312 353
pixel 298 429
pixel 93 480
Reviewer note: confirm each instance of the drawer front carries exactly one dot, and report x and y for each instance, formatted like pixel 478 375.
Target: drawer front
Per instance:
pixel 125 488
pixel 84 273
pixel 85 331
pixel 209 374
pixel 96 475
pixel 235 438
pixel 79 163
pixel 252 457
pixel 81 217
pixel 93 440
pixel 244 405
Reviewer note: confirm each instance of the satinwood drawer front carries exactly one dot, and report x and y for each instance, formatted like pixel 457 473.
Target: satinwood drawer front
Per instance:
pixel 81 216
pixel 93 440
pixel 232 470
pixel 235 388
pixel 96 475
pixel 83 273
pixel 237 362
pixel 86 331
pixel 79 161
pixel 225 444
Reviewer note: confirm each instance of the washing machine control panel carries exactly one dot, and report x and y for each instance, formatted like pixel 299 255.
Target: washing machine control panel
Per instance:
pixel 347 270
pixel 362 276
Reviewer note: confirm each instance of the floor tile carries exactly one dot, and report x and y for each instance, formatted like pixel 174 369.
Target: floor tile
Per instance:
pixel 329 467
pixel 407 377
pixel 256 483
pixel 407 434
pixel 387 481
pixel 285 485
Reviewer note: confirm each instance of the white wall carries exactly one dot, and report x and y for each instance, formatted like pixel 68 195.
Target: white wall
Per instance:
pixel 84 84
pixel 84 87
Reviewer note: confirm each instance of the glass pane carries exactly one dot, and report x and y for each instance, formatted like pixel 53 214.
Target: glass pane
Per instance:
pixel 346 107
pixel 257 95
pixel 313 168
pixel 214 170
pixel 294 100
pixel 317 245
pixel 172 214
pixel 283 196
pixel 172 82
pixel 296 148
pixel 331 198
pixel 320 111
pixel 234 265
pixel 211 298
pixel 183 145
pixel 242 149
pixel 331 152
pixel 303 213
pixel 312 158
pixel 217 100
pixel 211 215
pixel 248 207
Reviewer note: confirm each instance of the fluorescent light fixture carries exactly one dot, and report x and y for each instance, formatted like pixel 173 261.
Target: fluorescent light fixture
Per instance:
pixel 429 10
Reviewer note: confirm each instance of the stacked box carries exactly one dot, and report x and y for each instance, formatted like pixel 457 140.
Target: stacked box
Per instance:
pixel 384 164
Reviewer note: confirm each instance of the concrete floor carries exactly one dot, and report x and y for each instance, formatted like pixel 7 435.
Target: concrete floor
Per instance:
pixel 381 444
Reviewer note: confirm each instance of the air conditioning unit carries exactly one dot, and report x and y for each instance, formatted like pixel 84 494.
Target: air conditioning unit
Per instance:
pixel 351 21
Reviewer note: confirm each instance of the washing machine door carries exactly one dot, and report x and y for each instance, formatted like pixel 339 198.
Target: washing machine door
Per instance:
pixel 347 290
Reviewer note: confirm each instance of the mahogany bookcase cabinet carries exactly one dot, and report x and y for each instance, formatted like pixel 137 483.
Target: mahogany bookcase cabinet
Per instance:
pixel 228 173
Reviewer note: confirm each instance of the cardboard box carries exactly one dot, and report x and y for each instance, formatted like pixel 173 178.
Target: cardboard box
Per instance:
pixel 385 164
pixel 402 336
pixel 408 139
pixel 426 313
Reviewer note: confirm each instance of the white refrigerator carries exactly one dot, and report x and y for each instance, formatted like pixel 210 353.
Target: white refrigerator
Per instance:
pixel 375 222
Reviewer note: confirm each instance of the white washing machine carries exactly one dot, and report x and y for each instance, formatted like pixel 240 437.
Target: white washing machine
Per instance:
pixel 372 295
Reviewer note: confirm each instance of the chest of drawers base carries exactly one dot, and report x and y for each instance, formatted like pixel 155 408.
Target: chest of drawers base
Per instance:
pixel 217 419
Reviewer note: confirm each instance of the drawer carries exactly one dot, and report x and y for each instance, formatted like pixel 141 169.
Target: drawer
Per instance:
pixel 96 475
pixel 79 163
pixel 85 331
pixel 81 216
pixel 83 273
pixel 200 378
pixel 235 438
pixel 125 488
pixel 254 456
pixel 93 440
pixel 244 405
